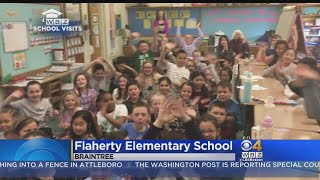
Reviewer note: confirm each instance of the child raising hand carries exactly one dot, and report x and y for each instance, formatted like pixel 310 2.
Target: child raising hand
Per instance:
pixel 188 44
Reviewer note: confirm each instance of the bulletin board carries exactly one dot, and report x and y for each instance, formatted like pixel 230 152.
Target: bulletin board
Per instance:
pixel 35 52
pixel 252 21
pixel 141 20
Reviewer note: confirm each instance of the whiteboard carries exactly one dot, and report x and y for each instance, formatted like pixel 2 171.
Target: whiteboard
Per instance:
pixel 286 20
pixel 15 36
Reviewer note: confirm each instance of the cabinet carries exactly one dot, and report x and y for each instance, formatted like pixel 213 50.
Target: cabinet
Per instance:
pixel 53 90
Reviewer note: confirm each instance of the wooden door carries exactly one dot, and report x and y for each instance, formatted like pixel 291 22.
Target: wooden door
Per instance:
pixel 94 23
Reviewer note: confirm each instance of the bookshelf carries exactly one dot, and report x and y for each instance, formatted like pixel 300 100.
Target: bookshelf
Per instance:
pixel 311 24
pixel 74 51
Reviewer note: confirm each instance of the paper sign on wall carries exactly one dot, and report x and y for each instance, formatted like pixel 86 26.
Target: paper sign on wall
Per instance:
pixel 146 24
pixel 19 60
pixel 140 15
pixel 179 22
pixel 185 14
pixel 173 14
pixel 191 24
pixel 151 14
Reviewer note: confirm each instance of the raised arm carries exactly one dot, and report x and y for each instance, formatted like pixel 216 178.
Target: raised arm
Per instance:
pixel 135 73
pixel 162 59
pixel 261 55
pixel 133 47
pixel 86 67
pixel 293 40
pixel 179 39
pixel 199 39
pixel 171 57
pixel 269 71
pixel 306 72
pixel 164 117
pixel 155 42
pixel 187 117
pixel 111 67
pixel 18 94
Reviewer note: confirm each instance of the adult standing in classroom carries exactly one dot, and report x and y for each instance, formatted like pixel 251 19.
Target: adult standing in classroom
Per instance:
pixel 161 24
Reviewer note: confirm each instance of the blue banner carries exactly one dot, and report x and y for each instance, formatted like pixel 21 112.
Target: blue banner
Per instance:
pixel 62 150
pixel 256 158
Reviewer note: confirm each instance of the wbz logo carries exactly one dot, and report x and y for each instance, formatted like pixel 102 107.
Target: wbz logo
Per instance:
pixel 249 155
pixel 55 22
pixel 51 17
pixel 246 145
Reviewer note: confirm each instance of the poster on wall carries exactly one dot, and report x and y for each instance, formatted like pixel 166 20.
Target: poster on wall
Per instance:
pixel 14 32
pixel 19 60
pixel 191 24
pixel 185 14
pixel 146 24
pixel 140 15
pixel 151 14
pixel 173 14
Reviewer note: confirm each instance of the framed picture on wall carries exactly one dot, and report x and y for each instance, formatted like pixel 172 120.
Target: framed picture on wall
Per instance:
pixel 19 60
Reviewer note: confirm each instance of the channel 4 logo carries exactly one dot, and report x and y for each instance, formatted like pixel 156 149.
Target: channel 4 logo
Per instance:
pixel 57 22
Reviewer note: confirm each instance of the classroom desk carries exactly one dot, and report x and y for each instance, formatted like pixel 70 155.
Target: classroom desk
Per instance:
pixel 289 121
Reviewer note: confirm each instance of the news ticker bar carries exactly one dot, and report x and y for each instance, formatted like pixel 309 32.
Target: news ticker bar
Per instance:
pixel 153 168
pixel 154 157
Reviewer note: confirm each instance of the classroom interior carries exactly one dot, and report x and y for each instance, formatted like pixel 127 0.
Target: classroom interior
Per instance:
pixel 26 54
pixel 107 28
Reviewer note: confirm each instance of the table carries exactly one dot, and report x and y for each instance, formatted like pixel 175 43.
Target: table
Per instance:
pixel 289 122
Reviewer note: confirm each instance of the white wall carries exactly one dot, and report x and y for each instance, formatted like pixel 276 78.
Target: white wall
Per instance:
pixel 119 8
pixel 105 30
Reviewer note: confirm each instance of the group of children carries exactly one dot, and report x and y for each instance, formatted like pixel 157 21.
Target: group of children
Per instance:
pixel 178 97
pixel 122 98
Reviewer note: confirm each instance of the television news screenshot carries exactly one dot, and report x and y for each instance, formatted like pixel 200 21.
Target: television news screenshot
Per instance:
pixel 159 91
